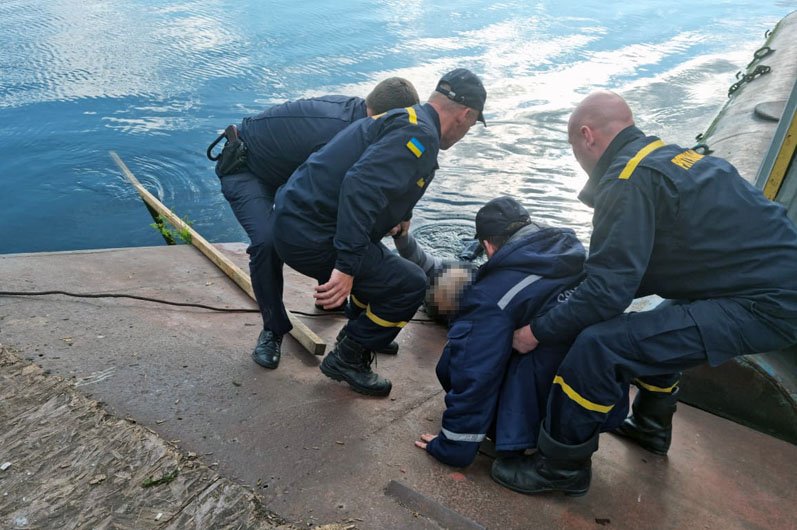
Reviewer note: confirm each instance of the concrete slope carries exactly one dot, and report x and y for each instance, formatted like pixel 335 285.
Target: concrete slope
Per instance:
pixel 318 453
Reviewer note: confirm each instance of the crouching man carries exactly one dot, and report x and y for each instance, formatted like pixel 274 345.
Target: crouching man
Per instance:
pixel 330 218
pixel 492 391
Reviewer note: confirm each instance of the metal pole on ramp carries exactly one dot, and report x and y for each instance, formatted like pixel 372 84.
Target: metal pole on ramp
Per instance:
pixel 304 335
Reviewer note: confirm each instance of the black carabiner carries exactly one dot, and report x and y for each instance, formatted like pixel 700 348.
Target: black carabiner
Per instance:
pixel 214 144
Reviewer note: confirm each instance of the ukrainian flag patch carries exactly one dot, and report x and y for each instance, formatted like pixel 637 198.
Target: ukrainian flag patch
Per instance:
pixel 416 147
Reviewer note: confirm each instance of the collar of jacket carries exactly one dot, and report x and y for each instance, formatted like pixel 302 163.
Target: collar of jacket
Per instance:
pixel 522 233
pixel 435 117
pixel 623 138
pixel 526 231
pixel 552 259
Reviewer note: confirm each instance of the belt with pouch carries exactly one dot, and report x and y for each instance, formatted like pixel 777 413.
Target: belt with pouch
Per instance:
pixel 232 158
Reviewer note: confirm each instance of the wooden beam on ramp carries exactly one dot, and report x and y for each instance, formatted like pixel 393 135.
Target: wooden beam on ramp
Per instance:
pixel 304 335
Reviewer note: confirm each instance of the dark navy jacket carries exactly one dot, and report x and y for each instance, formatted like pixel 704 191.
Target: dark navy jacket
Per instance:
pixel 487 386
pixel 672 222
pixel 362 183
pixel 279 139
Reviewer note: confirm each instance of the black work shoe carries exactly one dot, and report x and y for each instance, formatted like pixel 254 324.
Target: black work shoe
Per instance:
pixel 351 362
pixel 268 350
pixel 650 424
pixel 554 467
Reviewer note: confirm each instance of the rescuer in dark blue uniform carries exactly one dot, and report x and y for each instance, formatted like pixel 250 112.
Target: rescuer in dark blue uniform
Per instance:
pixel 491 391
pixel 667 221
pixel 330 217
pixel 271 145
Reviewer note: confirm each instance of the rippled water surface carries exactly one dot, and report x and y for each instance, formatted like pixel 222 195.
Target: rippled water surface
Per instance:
pixel 156 81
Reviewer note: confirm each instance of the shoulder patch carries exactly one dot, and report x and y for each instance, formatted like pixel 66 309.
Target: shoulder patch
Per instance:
pixel 416 147
pixel 412 116
pixel 686 159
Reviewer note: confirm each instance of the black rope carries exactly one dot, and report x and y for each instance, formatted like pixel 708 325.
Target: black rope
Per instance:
pixel 168 302
pixel 132 296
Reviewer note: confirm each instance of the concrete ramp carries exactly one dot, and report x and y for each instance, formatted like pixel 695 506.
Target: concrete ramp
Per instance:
pixel 314 452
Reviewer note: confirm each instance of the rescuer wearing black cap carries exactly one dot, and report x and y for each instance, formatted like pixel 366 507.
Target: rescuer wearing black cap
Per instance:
pixel 492 391
pixel 463 86
pixel 330 217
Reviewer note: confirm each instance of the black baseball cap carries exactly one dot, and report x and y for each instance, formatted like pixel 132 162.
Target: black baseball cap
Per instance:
pixel 465 88
pixel 497 217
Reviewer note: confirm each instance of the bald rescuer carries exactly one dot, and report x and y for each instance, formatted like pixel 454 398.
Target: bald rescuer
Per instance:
pixel 667 221
pixel 330 217
pixel 260 156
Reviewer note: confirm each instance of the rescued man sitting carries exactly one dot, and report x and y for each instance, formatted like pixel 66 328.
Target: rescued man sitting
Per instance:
pixel 492 391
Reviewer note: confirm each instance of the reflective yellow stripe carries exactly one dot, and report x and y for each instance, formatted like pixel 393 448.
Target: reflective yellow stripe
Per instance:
pixel 632 164
pixel 782 161
pixel 381 321
pixel 575 396
pixel 377 116
pixel 412 116
pixel 358 303
pixel 652 388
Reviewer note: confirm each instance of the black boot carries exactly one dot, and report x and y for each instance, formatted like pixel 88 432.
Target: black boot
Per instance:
pixel 554 467
pixel 650 424
pixel 267 353
pixel 351 362
pixel 390 349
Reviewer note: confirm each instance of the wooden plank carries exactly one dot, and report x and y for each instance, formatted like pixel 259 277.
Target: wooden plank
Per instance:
pixel 304 335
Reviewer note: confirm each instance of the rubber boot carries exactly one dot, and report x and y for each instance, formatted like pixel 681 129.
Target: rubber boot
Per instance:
pixel 650 422
pixel 351 362
pixel 554 467
pixel 390 349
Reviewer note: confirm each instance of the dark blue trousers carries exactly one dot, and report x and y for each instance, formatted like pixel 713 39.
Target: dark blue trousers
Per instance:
pixel 524 395
pixel 649 348
pixel 386 292
pixel 252 201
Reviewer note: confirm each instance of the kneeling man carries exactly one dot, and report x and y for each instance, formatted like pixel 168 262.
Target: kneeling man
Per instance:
pixel 492 391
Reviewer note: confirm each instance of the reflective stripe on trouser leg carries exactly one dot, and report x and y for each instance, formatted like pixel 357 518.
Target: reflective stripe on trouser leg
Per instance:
pixel 393 288
pixel 658 384
pixel 355 307
pixel 607 356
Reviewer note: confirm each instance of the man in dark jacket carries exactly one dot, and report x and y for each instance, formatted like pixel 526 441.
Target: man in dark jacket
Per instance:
pixel 491 391
pixel 667 221
pixel 271 146
pixel 329 219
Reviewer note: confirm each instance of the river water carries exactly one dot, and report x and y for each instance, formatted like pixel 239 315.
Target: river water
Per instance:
pixel 156 80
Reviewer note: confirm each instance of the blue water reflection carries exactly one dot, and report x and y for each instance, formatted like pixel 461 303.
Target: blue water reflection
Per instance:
pixel 156 80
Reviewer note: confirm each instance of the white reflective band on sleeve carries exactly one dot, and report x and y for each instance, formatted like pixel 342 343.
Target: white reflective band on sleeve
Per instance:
pixel 522 284
pixel 457 437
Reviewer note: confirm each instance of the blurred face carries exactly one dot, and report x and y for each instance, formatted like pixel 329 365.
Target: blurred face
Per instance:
pixel 447 291
pixel 464 119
